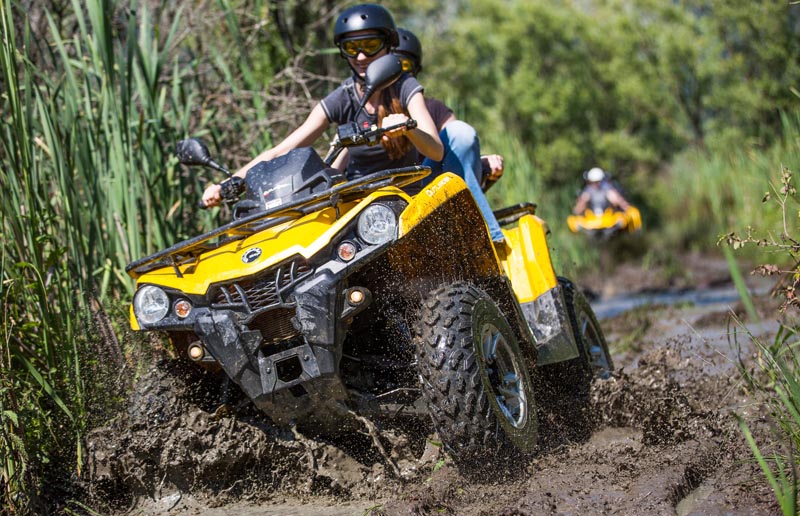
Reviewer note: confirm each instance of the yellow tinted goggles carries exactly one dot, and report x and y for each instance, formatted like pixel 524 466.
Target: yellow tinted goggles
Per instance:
pixel 407 64
pixel 367 46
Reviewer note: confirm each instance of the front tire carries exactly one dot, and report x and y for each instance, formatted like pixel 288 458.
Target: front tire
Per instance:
pixel 474 376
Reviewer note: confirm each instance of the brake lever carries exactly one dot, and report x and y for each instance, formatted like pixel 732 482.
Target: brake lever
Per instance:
pixel 232 188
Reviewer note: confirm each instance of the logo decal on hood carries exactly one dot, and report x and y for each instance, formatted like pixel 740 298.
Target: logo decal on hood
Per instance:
pixel 251 255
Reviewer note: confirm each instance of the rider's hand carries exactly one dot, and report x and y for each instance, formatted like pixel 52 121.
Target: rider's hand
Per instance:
pixel 394 119
pixel 212 197
pixel 495 165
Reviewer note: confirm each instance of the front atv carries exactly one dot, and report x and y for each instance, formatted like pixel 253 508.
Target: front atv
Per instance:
pixel 325 296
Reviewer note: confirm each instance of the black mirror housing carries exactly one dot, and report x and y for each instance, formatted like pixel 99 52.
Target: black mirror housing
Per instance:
pixel 192 151
pixel 381 73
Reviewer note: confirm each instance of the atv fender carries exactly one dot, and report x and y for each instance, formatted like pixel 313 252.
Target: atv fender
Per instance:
pixel 537 290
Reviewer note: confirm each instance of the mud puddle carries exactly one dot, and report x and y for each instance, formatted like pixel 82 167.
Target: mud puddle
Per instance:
pixel 712 299
pixel 663 441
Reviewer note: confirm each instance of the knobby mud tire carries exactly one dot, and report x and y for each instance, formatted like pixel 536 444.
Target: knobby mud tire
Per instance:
pixel 595 358
pixel 455 331
pixel 564 387
pixel 169 386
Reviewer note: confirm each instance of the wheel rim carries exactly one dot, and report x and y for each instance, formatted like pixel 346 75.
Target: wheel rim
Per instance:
pixel 598 358
pixel 504 375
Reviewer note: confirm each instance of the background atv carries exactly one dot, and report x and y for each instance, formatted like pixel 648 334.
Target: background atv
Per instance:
pixel 606 224
pixel 325 297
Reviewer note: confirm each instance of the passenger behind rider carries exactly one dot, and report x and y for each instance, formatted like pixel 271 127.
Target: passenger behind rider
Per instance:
pixel 462 154
pixel 410 53
pixel 598 194
pixel 461 144
pixel 363 33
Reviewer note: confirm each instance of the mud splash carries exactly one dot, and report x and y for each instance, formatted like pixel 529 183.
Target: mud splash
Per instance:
pixel 662 441
pixel 652 399
pixel 177 438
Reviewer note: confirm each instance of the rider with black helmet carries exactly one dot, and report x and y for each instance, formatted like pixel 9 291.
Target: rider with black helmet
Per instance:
pixel 363 33
pixel 365 17
pixel 461 145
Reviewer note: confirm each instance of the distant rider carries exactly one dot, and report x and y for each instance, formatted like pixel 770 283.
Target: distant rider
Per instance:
pixel 599 194
pixel 363 33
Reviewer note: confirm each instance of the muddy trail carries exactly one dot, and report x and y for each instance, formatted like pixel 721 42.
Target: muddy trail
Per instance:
pixel 663 438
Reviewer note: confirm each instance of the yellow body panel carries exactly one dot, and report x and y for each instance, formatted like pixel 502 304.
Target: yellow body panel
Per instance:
pixel 445 186
pixel 528 263
pixel 134 323
pixel 629 220
pixel 304 236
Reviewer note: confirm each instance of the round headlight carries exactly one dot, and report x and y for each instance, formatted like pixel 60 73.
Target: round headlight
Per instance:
pixel 377 224
pixel 150 304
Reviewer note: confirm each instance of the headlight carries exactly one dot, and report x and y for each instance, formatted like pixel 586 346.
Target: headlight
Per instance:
pixel 377 224
pixel 150 304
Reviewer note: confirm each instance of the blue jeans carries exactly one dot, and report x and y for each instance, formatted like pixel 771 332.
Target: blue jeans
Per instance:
pixel 462 156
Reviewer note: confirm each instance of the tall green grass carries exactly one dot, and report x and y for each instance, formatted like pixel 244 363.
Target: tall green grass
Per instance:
pixel 773 378
pixel 706 195
pixel 773 375
pixel 84 149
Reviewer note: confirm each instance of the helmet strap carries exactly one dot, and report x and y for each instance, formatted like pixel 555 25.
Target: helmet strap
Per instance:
pixel 356 77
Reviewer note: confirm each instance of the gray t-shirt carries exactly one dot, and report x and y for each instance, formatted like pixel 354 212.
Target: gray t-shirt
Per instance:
pixel 340 107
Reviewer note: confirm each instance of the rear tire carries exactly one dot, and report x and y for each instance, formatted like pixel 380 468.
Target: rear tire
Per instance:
pixel 594 356
pixel 565 387
pixel 474 377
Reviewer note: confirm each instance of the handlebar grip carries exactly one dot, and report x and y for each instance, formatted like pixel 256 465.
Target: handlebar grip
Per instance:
pixel 202 205
pixel 408 124
pixel 232 188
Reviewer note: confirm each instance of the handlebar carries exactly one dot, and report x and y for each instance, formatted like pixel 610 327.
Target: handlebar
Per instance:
pixel 350 135
pixel 230 190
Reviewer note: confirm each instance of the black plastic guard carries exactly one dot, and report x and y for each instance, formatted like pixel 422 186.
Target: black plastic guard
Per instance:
pixel 233 348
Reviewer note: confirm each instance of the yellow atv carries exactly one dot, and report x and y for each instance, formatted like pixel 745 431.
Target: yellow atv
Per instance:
pixel 606 224
pixel 325 297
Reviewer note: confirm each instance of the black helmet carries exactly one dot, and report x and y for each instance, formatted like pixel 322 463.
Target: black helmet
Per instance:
pixel 366 17
pixel 409 45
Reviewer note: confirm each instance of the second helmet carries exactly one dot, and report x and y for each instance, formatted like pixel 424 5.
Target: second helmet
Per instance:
pixel 409 44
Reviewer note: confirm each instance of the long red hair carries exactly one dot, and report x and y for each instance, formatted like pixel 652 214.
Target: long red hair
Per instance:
pixel 396 147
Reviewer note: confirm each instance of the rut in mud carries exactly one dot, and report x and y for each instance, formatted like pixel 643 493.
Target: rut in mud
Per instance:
pixel 662 441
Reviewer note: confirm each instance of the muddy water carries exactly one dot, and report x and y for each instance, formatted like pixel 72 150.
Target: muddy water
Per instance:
pixel 663 441
pixel 711 299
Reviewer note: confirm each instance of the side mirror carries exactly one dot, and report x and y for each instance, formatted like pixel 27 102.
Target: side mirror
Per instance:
pixel 381 73
pixel 194 152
